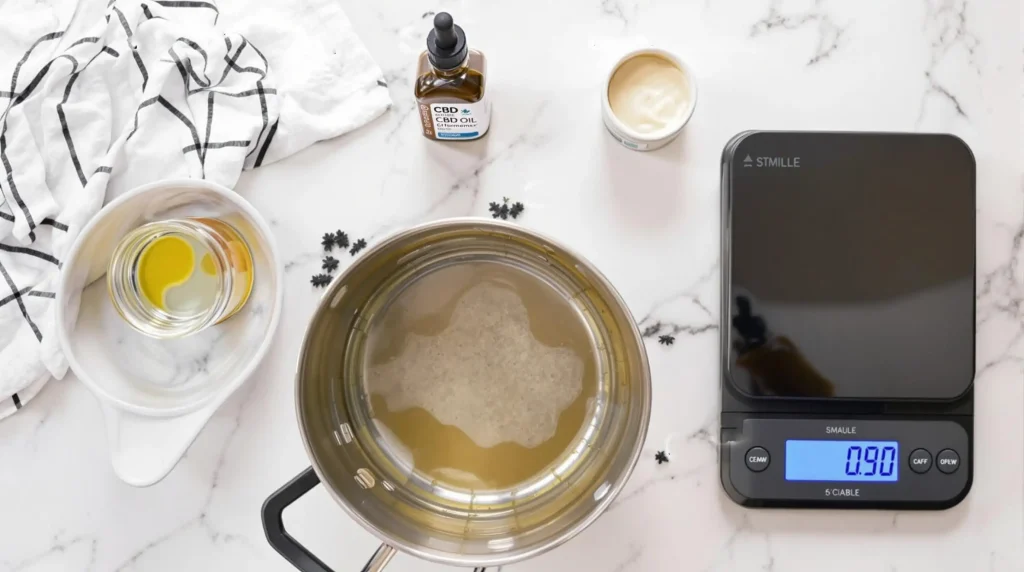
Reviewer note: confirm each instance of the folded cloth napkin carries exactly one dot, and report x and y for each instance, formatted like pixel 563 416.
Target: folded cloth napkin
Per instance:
pixel 98 97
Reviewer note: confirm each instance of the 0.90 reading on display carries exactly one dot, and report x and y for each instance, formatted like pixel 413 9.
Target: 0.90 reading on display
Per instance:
pixel 863 461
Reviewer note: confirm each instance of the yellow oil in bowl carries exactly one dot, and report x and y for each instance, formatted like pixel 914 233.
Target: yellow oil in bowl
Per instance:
pixel 176 277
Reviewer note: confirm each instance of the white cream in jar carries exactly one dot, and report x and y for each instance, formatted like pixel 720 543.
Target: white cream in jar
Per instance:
pixel 649 97
pixel 648 93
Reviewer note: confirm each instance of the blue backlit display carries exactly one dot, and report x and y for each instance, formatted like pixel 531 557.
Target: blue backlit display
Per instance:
pixel 860 461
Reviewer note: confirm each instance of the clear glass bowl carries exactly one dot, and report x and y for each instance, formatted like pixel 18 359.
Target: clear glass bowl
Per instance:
pixel 232 270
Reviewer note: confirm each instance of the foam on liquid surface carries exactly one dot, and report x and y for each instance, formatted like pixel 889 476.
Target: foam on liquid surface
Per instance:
pixel 480 375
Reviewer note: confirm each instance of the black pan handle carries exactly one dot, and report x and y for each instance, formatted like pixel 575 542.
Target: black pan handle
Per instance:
pixel 286 546
pixel 273 525
pixel 295 553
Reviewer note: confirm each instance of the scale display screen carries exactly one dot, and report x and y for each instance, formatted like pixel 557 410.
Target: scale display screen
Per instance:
pixel 842 461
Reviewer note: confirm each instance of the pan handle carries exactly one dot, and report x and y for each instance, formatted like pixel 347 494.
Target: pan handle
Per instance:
pixel 286 546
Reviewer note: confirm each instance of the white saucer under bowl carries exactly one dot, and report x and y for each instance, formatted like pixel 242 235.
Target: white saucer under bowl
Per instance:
pixel 157 394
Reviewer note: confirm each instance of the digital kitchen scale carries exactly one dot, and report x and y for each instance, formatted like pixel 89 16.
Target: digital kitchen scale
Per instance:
pixel 848 320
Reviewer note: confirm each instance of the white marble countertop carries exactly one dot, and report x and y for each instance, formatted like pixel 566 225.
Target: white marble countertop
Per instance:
pixel 649 221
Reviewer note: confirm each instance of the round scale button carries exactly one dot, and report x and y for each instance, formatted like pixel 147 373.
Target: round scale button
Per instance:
pixel 948 461
pixel 920 461
pixel 757 459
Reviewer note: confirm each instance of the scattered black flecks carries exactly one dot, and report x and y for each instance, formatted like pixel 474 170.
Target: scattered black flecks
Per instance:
pixel 320 280
pixel 503 210
pixel 341 239
pixel 328 242
pixel 330 264
pixel 357 246
pixel 382 83
pixel 661 457
pixel 498 211
pixel 666 340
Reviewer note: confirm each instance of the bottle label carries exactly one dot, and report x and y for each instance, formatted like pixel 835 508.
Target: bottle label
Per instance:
pixel 456 120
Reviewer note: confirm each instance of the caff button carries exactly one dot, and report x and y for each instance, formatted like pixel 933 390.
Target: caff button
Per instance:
pixel 948 461
pixel 757 459
pixel 920 461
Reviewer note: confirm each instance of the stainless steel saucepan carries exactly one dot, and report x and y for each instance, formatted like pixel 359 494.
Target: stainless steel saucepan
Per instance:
pixel 420 516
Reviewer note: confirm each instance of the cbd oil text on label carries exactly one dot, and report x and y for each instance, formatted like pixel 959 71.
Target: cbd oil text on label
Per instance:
pixel 451 121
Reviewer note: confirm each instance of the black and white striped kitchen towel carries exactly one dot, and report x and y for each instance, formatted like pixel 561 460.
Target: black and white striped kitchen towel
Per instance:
pixel 99 96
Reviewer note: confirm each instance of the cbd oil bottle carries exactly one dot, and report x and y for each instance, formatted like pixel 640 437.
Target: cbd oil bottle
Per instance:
pixel 451 85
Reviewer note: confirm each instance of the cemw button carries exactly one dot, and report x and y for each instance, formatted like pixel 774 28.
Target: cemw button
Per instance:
pixel 757 459
pixel 948 461
pixel 920 461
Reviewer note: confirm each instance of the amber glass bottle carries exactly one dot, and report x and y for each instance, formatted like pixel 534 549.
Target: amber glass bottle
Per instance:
pixel 451 85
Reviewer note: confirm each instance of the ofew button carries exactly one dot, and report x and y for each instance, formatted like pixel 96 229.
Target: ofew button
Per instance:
pixel 948 461
pixel 920 461
pixel 757 459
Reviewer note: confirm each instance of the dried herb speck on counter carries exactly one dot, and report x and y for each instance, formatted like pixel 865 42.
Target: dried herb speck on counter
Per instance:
pixel 341 239
pixel 328 242
pixel 330 264
pixel 498 211
pixel 357 246
pixel 320 280
pixel 666 340
pixel 661 457
pixel 502 210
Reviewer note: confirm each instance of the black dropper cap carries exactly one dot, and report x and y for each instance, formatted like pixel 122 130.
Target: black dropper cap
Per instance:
pixel 446 43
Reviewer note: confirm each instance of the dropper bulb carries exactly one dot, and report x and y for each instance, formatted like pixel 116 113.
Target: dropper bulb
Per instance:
pixel 444 31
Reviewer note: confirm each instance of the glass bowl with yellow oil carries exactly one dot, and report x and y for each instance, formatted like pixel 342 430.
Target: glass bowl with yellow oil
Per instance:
pixel 173 278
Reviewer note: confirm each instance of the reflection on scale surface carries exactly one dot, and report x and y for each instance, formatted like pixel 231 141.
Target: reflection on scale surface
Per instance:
pixel 846 287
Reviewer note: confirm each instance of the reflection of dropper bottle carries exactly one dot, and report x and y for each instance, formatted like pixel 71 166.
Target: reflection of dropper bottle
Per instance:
pixel 775 364
pixel 450 85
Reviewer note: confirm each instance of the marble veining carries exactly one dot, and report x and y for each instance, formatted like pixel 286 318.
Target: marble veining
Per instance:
pixel 830 34
pixel 947 29
pixel 650 222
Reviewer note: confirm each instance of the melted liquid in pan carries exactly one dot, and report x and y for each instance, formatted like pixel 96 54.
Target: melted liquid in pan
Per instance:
pixel 480 375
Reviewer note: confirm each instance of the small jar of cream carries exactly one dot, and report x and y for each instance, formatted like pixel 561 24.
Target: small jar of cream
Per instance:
pixel 649 97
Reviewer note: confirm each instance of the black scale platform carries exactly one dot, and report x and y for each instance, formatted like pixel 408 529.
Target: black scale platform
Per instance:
pixel 848 311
